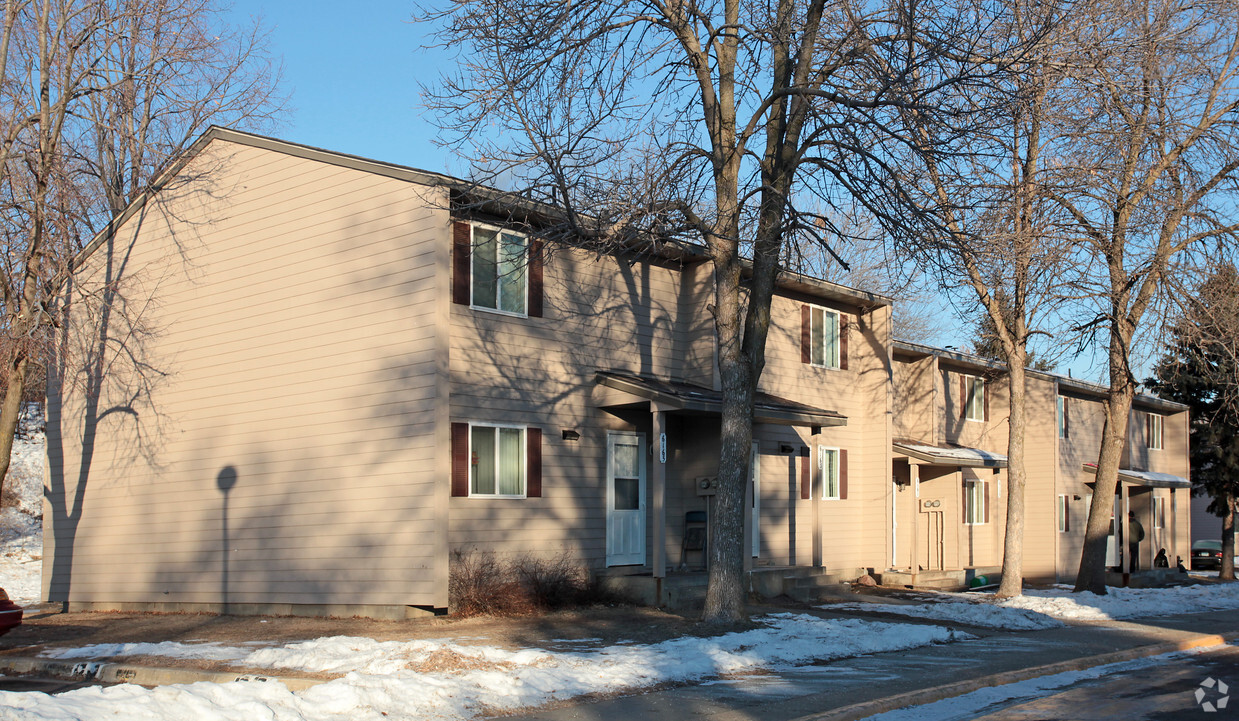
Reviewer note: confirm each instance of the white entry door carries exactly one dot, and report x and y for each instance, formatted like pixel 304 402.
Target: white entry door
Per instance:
pixel 625 499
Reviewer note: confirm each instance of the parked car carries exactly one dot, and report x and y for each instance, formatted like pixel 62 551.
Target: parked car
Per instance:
pixel 1206 554
pixel 10 614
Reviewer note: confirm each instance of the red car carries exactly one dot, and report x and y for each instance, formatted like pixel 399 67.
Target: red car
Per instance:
pixel 10 614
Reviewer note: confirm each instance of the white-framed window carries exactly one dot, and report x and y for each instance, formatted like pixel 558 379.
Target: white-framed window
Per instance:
pixel 974 503
pixel 1064 513
pixel 974 398
pixel 498 278
pixel 828 472
pixel 1062 417
pixel 496 461
pixel 1159 512
pixel 1153 431
pixel 823 337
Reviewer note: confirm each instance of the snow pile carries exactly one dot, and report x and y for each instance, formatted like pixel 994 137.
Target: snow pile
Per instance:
pixel 21 527
pixel 381 681
pixel 1127 602
pixel 1038 609
pixel 972 612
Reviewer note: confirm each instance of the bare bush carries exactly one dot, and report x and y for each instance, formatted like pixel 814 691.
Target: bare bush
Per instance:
pixel 481 584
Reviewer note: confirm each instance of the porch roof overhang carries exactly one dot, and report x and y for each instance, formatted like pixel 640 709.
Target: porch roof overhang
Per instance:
pixel 1148 479
pixel 628 390
pixel 950 455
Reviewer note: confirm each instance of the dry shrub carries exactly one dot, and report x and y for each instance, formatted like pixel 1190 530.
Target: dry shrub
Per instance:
pixel 481 584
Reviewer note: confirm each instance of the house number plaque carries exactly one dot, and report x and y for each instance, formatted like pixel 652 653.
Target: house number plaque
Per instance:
pixel 662 447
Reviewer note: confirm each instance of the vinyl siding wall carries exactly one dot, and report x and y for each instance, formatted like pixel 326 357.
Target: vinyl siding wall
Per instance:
pixel 265 430
pixel 601 312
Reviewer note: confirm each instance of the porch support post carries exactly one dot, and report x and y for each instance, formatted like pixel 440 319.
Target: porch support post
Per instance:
pixel 914 471
pixel 1125 546
pixel 1174 525
pixel 658 487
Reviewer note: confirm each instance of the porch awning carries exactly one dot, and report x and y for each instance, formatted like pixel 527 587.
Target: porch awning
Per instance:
pixel 625 389
pixel 1148 479
pixel 950 455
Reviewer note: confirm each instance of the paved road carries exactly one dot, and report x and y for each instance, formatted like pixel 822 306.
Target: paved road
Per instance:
pixel 1163 692
pixel 814 690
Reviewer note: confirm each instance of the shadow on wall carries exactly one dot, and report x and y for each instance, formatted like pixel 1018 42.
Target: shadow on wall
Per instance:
pixel 102 379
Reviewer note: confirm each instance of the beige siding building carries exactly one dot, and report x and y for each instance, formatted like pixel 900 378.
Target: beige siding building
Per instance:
pixel 297 381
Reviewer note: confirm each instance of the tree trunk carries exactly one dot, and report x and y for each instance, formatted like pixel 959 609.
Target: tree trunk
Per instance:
pixel 1227 570
pixel 726 588
pixel 1092 573
pixel 9 412
pixel 1012 583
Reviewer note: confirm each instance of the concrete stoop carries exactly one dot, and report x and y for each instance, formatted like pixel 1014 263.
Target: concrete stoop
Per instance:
pixel 687 591
pixel 951 580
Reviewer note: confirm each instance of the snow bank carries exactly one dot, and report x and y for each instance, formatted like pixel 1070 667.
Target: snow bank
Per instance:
pixel 21 527
pixel 1038 609
pixel 380 681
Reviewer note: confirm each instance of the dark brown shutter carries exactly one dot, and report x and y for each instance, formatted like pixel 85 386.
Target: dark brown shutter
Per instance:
pixel 533 462
pixel 843 341
pixel 1066 513
pixel 1066 419
pixel 535 279
pixel 963 510
pixel 963 396
pixel 1148 430
pixel 460 459
pixel 985 519
pixel 462 239
pixel 806 475
pixel 843 474
pixel 806 355
pixel 985 400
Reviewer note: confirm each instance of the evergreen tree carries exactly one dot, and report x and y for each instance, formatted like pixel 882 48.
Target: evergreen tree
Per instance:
pixel 1200 371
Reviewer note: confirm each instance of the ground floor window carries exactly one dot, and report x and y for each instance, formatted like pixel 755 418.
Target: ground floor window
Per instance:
pixel 1064 513
pixel 1159 512
pixel 974 502
pixel 828 469
pixel 497 461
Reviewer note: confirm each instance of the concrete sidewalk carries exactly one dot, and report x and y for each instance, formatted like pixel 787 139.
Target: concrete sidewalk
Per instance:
pixel 854 688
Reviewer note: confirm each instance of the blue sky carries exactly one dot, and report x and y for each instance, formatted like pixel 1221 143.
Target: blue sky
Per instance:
pixel 352 70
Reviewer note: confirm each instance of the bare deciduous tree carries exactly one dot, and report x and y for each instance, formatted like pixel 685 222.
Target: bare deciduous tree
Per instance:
pixel 1153 146
pixel 726 123
pixel 95 97
pixel 998 238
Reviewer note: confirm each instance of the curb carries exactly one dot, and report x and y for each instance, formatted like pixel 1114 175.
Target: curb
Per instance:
pixel 929 695
pixel 140 675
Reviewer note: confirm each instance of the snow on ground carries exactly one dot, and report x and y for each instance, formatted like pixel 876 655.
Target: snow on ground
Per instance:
pixel 21 528
pixel 1048 608
pixel 381 680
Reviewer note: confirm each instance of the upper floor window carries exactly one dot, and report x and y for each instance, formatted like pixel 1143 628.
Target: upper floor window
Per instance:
pixel 974 397
pixel 1153 431
pixel 499 270
pixel 824 337
pixel 496 269
pixel 1062 417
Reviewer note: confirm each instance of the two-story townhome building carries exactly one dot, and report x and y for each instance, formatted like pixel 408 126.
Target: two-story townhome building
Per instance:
pixel 949 465
pixel 296 381
pixel 293 380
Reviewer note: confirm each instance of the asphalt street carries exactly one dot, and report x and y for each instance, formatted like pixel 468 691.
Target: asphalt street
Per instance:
pixel 819 691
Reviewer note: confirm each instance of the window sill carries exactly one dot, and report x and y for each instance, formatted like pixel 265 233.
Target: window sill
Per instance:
pixel 497 311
